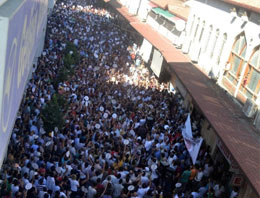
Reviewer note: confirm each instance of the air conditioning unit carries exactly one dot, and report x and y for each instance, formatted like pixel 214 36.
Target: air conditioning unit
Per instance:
pixel 249 108
pixel 257 119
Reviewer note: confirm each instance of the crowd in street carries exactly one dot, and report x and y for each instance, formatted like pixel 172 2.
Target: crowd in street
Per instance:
pixel 122 136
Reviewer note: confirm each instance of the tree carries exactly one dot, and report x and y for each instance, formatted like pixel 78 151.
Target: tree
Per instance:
pixel 53 113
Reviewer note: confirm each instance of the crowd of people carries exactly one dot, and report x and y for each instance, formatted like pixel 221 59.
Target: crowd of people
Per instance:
pixel 122 136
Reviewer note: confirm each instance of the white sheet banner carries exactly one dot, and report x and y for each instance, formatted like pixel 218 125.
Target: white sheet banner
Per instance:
pixel 157 61
pixel 193 145
pixel 146 50
pixel 187 132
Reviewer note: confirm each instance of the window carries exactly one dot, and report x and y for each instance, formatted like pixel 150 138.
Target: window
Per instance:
pixel 193 20
pixel 208 38
pixel 196 30
pixel 251 81
pixel 224 40
pixel 214 43
pixel 237 58
pixel 202 30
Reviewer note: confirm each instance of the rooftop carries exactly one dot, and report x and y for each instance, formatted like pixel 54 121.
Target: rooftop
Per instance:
pixel 253 5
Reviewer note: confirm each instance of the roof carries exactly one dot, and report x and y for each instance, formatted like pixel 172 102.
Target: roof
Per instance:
pixel 236 136
pixel 235 133
pixel 253 5
pixel 176 7
pixel 161 3
pixel 160 42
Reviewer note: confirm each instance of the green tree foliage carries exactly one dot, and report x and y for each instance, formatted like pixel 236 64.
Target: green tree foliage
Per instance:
pixel 53 113
pixel 71 58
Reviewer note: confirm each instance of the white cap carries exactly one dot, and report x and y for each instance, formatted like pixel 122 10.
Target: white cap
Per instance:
pixel 105 115
pixel 131 188
pixel 114 115
pixel 28 186
pixel 154 167
pixel 178 185
pixel 97 126
pixel 126 142
pixel 108 156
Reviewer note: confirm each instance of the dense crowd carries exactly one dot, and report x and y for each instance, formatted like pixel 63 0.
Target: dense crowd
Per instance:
pixel 122 136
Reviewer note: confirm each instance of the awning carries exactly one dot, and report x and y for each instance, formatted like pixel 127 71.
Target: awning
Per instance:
pixel 162 12
pixel 166 14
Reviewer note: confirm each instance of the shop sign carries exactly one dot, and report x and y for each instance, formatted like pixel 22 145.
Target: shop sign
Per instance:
pixel 237 180
pixel 233 165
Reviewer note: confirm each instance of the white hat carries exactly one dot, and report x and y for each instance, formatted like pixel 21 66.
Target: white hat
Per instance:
pixel 105 115
pixel 28 186
pixel 114 115
pixel 147 169
pixel 101 108
pixel 97 126
pixel 126 142
pixel 131 188
pixel 86 98
pixel 67 153
pixel 166 127
pixel 108 156
pixel 35 166
pixel 154 167
pixel 178 185
pixel 113 101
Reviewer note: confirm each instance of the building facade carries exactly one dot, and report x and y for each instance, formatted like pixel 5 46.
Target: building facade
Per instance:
pixel 226 47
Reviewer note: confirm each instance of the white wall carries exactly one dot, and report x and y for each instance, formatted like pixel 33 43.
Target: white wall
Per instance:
pixel 218 15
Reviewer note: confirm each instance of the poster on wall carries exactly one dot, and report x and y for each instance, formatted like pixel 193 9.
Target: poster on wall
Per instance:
pixel 157 61
pixel 25 27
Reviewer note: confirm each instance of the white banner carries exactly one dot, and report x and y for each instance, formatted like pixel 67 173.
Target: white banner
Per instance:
pixel 146 50
pixel 187 132
pixel 157 61
pixel 192 145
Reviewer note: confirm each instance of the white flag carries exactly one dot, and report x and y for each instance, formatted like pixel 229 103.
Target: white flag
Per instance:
pixel 192 145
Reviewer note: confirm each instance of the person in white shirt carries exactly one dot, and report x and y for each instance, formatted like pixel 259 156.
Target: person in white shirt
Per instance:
pixel 15 187
pixel 118 189
pixel 234 193
pixel 74 184
pixel 91 192
pixel 50 182
pixel 142 190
